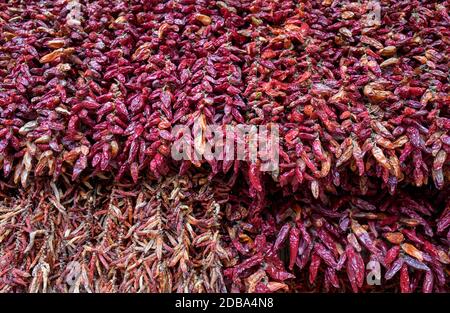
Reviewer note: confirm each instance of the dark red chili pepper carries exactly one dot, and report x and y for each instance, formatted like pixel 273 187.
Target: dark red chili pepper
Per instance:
pixel 294 241
pixel 281 237
pixel 405 284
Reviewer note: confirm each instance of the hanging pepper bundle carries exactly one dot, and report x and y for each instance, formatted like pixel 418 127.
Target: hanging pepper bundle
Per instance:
pixel 97 87
pixel 91 198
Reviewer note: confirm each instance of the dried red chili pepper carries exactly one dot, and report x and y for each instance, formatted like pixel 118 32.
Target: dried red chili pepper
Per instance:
pixel 355 268
pixel 294 242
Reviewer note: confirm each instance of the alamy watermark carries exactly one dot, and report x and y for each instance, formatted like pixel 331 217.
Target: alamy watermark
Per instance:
pixel 373 15
pixel 252 143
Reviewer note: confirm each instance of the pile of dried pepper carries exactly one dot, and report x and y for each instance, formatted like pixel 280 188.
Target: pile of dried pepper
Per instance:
pixel 91 200
pixel 193 234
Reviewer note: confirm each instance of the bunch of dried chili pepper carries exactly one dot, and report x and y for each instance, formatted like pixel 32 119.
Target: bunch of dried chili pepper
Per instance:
pixel 98 87
pixel 349 244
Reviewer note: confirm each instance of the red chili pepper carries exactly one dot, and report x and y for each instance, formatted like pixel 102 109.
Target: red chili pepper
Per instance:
pixel 391 255
pixel 405 284
pixel 294 241
pixel 281 237
pixel 277 274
